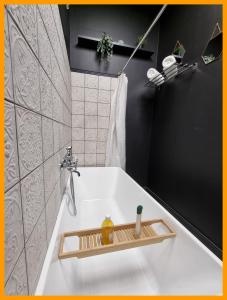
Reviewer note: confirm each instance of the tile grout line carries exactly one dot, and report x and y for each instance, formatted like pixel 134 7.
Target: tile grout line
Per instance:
pixel 25 176
pixel 18 165
pixel 44 189
pixel 37 7
pixel 33 52
pixel 34 111
pixel 41 165
pixel 59 37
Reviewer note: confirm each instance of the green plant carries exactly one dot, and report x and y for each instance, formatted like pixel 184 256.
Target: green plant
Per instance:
pixel 105 47
pixel 179 49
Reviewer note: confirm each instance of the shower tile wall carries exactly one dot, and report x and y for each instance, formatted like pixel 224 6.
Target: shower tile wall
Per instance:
pixel 37 130
pixel 91 100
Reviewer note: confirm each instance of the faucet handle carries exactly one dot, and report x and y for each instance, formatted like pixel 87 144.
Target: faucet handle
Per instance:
pixel 69 150
pixel 75 159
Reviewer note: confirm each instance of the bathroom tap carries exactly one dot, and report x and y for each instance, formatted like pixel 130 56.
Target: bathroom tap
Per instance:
pixel 68 162
pixel 71 166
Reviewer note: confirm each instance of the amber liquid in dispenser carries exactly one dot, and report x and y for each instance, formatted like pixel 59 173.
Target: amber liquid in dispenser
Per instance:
pixel 107 231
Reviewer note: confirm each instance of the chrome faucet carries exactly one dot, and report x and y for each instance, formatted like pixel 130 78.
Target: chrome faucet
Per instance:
pixel 68 161
pixel 71 166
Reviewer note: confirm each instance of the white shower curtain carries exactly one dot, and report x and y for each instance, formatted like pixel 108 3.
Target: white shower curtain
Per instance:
pixel 115 147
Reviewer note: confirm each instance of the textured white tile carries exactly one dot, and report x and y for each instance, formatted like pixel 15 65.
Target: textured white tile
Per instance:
pixel 46 94
pixel 46 14
pixel 25 71
pixel 56 169
pixel 67 115
pixel 77 107
pixel 90 147
pixel 101 159
pixel 77 134
pixel 32 193
pixel 80 160
pixel 104 109
pixel 90 160
pixel 91 95
pixel 48 137
pixel 10 147
pixel 57 106
pixel 8 83
pixel 56 76
pixel 78 121
pixel 90 134
pixel 77 79
pixel 14 238
pixel 91 81
pixel 104 96
pixel 101 147
pixel 29 140
pixel 58 24
pixel 111 95
pixel 52 210
pixel 90 109
pixel 49 177
pixel 35 252
pixel 103 122
pixel 63 181
pixel 114 82
pixel 17 283
pixel 53 26
pixel 56 130
pixel 25 16
pixel 61 135
pixel 90 121
pixel 78 147
pixel 77 93
pixel 57 19
pixel 102 135
pixel 104 83
pixel 43 46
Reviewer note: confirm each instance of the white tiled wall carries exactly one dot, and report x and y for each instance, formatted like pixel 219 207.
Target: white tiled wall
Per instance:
pixel 91 104
pixel 37 130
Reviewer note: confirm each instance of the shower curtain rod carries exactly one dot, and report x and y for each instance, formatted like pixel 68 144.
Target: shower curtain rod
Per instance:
pixel 144 37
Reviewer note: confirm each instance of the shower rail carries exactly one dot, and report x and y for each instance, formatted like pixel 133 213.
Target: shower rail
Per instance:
pixel 144 37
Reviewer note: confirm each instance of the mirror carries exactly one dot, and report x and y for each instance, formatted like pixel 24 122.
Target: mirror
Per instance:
pixel 213 49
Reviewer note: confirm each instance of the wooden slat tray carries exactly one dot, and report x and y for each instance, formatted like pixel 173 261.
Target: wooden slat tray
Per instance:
pixel 124 238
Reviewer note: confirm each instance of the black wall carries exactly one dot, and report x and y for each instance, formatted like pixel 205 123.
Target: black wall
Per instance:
pixel 186 145
pixel 122 23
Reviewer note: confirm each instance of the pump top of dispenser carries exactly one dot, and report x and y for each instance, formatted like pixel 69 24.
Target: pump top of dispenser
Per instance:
pixel 139 209
pixel 108 217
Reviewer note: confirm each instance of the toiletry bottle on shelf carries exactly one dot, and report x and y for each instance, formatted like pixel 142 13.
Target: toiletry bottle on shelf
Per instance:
pixel 107 231
pixel 138 221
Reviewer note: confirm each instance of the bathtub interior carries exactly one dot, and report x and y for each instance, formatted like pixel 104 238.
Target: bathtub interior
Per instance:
pixel 179 266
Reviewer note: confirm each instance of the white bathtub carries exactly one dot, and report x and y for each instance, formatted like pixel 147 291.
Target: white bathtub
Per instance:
pixel 177 266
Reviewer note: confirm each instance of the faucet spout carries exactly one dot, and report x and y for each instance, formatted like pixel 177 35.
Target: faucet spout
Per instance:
pixel 77 172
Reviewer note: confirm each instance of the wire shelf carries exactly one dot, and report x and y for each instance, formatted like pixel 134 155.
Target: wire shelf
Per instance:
pixel 172 72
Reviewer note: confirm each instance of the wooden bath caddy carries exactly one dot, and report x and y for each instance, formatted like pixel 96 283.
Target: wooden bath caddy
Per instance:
pixel 123 238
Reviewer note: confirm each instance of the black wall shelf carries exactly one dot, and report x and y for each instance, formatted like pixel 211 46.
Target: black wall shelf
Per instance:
pixel 123 49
